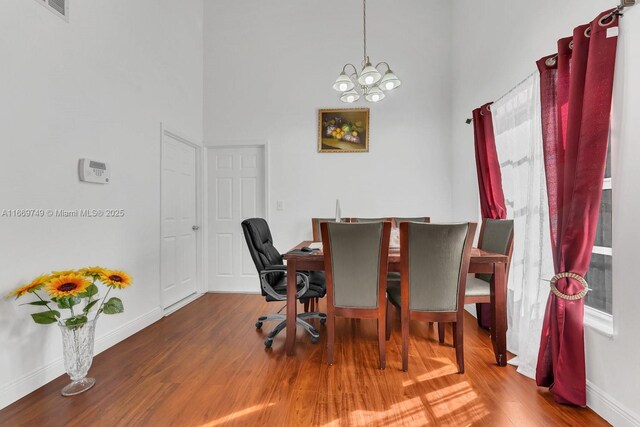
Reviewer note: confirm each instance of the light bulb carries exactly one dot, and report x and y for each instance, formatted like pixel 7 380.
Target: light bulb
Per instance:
pixel 350 96
pixel 343 87
pixel 368 80
pixel 388 86
pixel 375 97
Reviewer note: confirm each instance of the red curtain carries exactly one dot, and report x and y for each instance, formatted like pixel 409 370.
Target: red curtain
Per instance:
pixel 576 90
pixel 489 182
pixel 489 178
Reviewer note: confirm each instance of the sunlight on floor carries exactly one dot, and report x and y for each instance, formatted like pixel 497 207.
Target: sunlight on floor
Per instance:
pixel 410 412
pixel 448 369
pixel 236 415
pixel 459 399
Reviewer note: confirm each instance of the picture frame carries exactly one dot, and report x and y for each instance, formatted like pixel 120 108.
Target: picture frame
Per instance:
pixel 343 130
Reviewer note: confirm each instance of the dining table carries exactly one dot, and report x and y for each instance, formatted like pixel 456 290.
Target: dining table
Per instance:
pixel 481 262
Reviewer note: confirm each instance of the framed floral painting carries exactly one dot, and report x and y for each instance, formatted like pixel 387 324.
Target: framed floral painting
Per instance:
pixel 344 130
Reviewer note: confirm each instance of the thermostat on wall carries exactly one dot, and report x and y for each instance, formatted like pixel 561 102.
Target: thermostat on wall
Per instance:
pixel 93 171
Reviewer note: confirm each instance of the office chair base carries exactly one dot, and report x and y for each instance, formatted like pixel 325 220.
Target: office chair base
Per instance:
pixel 300 321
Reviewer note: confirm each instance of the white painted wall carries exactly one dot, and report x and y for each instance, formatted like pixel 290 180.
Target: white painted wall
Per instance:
pixel 496 45
pixel 98 86
pixel 269 67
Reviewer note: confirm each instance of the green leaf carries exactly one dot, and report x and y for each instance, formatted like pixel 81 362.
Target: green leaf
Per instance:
pixel 113 306
pixel 46 317
pixel 67 302
pixel 64 303
pixel 91 291
pixel 36 303
pixel 76 321
pixel 90 306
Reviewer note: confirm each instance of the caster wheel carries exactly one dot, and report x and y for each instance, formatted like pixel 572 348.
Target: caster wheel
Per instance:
pixel 314 340
pixel 323 320
pixel 258 325
pixel 268 342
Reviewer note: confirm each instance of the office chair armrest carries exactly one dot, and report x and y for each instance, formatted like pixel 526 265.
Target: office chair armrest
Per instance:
pixel 269 290
pixel 282 268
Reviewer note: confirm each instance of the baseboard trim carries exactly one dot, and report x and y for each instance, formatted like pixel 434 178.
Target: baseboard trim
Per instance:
pixel 180 304
pixel 35 379
pixel 609 408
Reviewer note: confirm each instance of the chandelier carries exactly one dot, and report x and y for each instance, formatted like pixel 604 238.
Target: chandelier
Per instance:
pixel 370 82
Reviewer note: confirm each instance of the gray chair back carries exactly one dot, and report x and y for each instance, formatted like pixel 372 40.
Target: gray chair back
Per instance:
pixel 496 236
pixel 398 220
pixel 436 255
pixel 367 220
pixel 355 263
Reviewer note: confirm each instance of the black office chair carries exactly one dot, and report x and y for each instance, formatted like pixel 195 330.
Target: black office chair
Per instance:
pixel 273 279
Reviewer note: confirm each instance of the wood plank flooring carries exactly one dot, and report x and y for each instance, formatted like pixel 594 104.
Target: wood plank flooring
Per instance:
pixel 206 366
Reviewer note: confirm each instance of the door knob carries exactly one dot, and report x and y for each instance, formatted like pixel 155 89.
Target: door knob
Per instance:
pixel 195 228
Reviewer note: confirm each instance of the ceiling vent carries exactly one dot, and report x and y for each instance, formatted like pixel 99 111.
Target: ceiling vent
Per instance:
pixel 58 7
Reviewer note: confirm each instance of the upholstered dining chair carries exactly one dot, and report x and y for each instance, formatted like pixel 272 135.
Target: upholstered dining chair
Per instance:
pixel 356 262
pixel 273 279
pixel 434 261
pixel 496 235
pixel 393 277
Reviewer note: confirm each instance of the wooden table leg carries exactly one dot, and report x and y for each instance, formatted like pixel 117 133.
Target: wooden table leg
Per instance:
pixel 499 314
pixel 291 307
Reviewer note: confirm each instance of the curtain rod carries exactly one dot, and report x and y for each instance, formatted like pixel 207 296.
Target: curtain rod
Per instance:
pixel 621 7
pixel 618 11
pixel 468 121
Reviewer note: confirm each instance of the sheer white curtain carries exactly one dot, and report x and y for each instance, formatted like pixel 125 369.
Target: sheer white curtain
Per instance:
pixel 518 134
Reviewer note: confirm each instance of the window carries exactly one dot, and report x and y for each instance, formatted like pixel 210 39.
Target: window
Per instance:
pixel 599 275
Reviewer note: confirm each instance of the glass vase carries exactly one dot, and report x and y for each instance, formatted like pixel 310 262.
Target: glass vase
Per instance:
pixel 77 345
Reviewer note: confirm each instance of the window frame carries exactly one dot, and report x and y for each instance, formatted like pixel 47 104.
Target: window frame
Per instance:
pixel 599 320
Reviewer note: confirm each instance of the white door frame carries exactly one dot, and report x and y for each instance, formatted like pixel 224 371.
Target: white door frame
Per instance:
pixel 258 143
pixel 201 216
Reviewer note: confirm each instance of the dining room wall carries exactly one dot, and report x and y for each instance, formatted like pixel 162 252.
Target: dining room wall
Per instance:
pixel 496 45
pixel 97 86
pixel 269 67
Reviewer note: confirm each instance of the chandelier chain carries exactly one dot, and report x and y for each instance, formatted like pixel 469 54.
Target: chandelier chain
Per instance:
pixel 364 28
pixel 370 81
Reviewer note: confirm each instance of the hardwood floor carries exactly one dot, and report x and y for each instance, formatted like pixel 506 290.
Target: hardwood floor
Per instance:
pixel 206 366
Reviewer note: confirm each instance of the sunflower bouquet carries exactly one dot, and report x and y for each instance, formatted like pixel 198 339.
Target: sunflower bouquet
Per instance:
pixel 75 291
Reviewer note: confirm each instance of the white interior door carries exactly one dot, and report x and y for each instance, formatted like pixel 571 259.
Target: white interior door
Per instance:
pixel 178 268
pixel 236 184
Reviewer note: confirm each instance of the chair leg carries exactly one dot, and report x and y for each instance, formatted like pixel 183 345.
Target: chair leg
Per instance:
pixel 459 343
pixel 404 325
pixel 382 351
pixel 312 315
pixel 315 335
pixel 331 329
pixel 389 321
pixel 279 327
pixel 441 332
pixel 306 306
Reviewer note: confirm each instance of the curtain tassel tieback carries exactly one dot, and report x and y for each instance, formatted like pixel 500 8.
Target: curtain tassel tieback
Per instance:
pixel 573 276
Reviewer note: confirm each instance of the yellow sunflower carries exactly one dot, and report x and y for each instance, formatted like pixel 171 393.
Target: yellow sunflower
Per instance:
pixel 96 271
pixel 36 284
pixel 55 274
pixel 67 285
pixel 116 279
